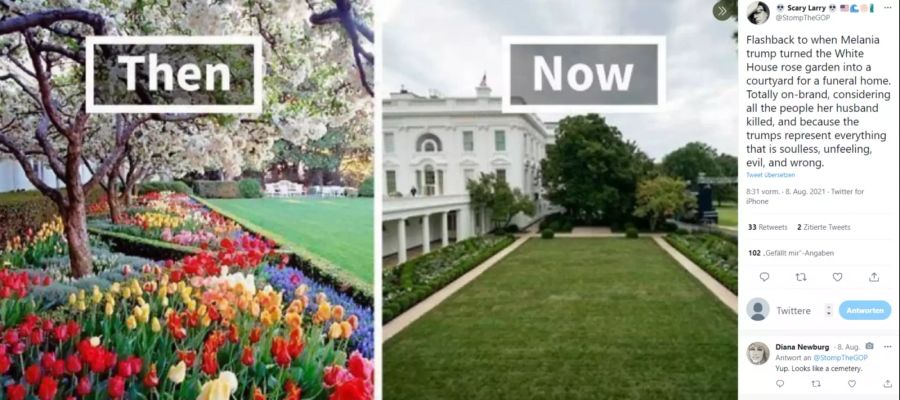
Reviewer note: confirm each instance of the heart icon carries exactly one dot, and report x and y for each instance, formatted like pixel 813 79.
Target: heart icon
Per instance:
pixel 851 382
pixel 779 383
pixel 837 276
pixel 764 276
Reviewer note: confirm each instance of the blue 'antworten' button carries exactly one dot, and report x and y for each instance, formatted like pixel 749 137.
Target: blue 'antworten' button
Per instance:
pixel 865 309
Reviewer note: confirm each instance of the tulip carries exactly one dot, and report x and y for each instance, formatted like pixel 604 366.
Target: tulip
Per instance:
pixel 33 374
pixel 292 390
pixel 335 330
pixel 131 322
pixel 5 363
pixel 247 356
pixel 151 380
pixel 177 372
pixel 84 386
pixel 16 392
pixel 254 335
pixel 338 313
pixel 47 389
pixel 155 325
pixel 220 388
pixel 346 330
pixel 116 388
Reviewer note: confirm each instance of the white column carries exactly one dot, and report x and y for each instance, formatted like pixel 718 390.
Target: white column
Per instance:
pixel 401 240
pixel 484 221
pixel 464 223
pixel 445 236
pixel 426 234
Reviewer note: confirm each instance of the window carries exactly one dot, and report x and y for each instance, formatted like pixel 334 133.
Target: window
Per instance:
pixel 391 181
pixel 38 168
pixel 501 175
pixel 388 142
pixel 468 141
pixel 469 174
pixel 500 141
pixel 430 181
pixel 428 142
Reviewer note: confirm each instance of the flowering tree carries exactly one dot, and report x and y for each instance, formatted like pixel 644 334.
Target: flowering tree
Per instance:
pixel 316 77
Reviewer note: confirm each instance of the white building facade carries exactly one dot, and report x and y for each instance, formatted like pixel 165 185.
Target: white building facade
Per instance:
pixel 12 176
pixel 433 146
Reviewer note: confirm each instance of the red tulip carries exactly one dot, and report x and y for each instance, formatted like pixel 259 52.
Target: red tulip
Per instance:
pixel 73 364
pixel 187 356
pixel 355 389
pixel 33 374
pixel 84 386
pixel 47 360
pixel 255 334
pixel 59 368
pixel 151 380
pixel 292 391
pixel 16 392
pixel 5 363
pixel 247 356
pixel 280 352
pixel 209 363
pixel 61 333
pixel 116 388
pixel 47 389
pixel 37 337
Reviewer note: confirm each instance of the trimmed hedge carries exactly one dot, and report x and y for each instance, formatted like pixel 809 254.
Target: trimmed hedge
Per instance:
pixel 727 277
pixel 547 233
pixel 170 186
pixel 20 211
pixel 250 188
pixel 142 247
pixel 367 187
pixel 217 189
pixel 558 222
pixel 404 286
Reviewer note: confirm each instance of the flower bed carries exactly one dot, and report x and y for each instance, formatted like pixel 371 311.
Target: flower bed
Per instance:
pixel 715 254
pixel 409 283
pixel 174 218
pixel 231 321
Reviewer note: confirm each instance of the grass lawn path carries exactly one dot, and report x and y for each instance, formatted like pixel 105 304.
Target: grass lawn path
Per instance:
pixel 337 230
pixel 571 319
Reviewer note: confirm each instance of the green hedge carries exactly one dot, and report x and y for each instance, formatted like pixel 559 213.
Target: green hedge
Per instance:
pixel 709 262
pixel 367 187
pixel 142 247
pixel 169 186
pixel 407 284
pixel 29 209
pixel 250 188
pixel 217 189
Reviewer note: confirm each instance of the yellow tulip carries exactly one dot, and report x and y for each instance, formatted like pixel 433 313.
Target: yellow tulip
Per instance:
pixel 220 388
pixel 96 295
pixel 155 325
pixel 335 330
pixel 115 288
pixel 110 307
pixel 177 372
pixel 131 322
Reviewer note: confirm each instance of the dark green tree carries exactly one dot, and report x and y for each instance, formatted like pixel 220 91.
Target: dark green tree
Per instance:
pixel 495 195
pixel 689 161
pixel 592 171
pixel 728 167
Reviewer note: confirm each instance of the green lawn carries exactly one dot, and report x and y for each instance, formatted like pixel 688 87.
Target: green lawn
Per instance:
pixel 728 214
pixel 337 230
pixel 571 319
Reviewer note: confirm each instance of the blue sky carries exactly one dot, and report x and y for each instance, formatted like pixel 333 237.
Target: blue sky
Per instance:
pixel 448 44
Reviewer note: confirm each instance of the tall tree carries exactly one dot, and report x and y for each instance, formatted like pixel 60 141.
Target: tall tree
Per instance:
pixel 495 195
pixel 592 171
pixel 691 160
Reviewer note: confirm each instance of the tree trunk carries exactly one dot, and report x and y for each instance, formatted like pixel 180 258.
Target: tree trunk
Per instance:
pixel 112 201
pixel 75 228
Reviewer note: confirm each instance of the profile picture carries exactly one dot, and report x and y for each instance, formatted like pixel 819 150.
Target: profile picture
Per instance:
pixel 758 309
pixel 758 353
pixel 758 12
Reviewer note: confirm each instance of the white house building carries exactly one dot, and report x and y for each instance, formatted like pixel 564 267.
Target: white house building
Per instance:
pixel 432 146
pixel 12 176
